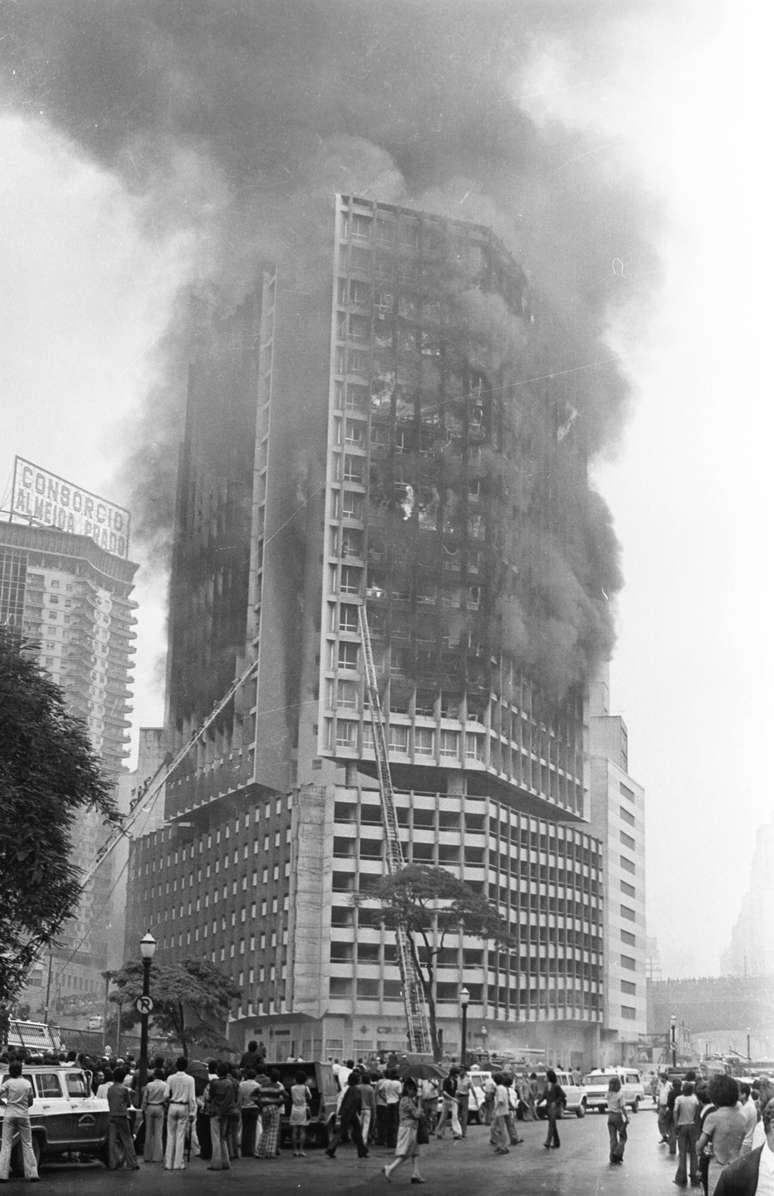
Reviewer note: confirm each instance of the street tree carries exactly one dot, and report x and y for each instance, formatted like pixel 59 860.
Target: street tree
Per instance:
pixel 48 775
pixel 431 904
pixel 191 1000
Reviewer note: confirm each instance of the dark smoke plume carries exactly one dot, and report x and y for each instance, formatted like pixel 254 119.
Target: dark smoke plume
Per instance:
pixel 238 121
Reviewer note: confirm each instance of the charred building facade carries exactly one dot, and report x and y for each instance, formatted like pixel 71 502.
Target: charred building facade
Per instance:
pixel 405 446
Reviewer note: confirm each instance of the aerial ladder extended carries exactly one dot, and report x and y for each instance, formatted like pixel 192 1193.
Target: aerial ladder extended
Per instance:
pixel 154 785
pixel 413 990
pixel 151 789
pixel 165 770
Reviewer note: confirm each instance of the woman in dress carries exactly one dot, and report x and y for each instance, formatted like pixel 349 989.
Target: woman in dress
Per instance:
pixel 617 1120
pixel 300 1100
pixel 409 1115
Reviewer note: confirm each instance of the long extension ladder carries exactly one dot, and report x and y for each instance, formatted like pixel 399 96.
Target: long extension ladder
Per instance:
pixel 413 991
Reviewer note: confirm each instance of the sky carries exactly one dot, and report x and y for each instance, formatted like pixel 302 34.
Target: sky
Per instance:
pixel 672 96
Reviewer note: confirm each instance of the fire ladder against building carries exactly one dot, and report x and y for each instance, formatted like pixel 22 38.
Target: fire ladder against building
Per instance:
pixel 152 788
pixel 418 1029
pixel 413 989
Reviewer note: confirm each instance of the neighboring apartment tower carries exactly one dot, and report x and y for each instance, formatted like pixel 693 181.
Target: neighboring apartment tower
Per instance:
pixel 618 820
pixel 383 448
pixel 137 796
pixel 71 600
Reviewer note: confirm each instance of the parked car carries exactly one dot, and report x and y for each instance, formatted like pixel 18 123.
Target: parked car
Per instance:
pixel 322 1085
pixel 596 1083
pixel 65 1117
pixel 575 1094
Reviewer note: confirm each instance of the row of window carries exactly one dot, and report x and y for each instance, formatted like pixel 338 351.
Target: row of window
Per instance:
pixel 570 959
pixel 343 987
pixel 152 863
pixel 574 847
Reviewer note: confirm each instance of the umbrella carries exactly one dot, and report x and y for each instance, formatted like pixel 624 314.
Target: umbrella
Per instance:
pixel 421 1071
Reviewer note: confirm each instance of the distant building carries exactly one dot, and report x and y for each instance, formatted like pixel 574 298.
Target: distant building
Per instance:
pixel 71 599
pixel 751 951
pixel 723 1015
pixel 362 450
pixel 618 820
pixel 132 788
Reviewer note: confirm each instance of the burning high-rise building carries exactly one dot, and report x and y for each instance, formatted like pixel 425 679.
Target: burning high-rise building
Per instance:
pixel 407 445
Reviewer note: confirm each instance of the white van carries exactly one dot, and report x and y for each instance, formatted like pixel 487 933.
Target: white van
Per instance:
pixel 596 1085
pixel 576 1100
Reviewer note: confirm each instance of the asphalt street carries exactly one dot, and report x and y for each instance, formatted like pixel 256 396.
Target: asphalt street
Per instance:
pixel 579 1168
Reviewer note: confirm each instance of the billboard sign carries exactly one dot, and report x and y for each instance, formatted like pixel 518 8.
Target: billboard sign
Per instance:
pixel 44 498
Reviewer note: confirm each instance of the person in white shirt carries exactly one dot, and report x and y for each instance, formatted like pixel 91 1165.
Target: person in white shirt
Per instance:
pixel 750 1114
pixel 342 1074
pixel 765 1094
pixel 182 1110
pixel 388 1090
pixel 154 1103
pixel 16 1096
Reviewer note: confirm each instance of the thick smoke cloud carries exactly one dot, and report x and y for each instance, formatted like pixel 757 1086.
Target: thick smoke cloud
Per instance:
pixel 239 121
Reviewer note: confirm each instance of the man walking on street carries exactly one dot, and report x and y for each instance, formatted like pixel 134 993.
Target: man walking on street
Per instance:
pixel 685 1114
pixel 349 1118
pixel 463 1097
pixel 662 1102
pixel 449 1108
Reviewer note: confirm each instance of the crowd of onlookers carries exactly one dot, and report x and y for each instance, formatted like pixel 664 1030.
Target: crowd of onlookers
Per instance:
pixel 712 1126
pixel 213 1109
pixel 222 1111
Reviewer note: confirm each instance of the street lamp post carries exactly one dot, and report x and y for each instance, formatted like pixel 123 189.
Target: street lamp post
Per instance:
pixel 673 1038
pixel 147 951
pixel 749 1056
pixel 464 1001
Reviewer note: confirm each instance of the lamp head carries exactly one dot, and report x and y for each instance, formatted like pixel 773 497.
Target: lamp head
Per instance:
pixel 147 946
pixel 464 997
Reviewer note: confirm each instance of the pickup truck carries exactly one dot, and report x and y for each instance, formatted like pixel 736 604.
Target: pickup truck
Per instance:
pixel 65 1117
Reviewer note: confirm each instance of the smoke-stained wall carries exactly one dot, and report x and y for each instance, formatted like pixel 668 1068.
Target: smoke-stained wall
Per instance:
pixel 290 594
pixel 210 576
pixel 208 592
